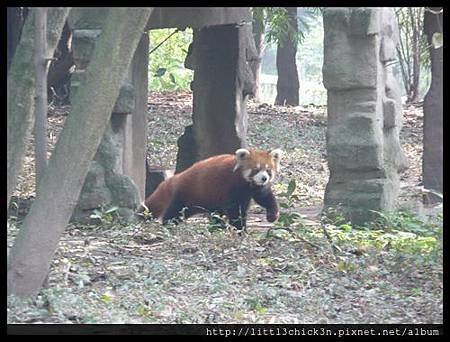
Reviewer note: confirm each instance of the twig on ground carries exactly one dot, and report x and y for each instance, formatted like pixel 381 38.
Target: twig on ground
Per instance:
pixel 334 247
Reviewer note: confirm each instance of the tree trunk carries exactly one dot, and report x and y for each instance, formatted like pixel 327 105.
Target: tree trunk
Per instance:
pixel 30 257
pixel 21 90
pixel 288 84
pixel 40 65
pixel 258 34
pixel 433 111
pixel 15 21
pixel 414 91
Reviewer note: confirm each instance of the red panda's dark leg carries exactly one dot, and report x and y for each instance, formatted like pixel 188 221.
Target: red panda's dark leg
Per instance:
pixel 266 199
pixel 235 218
pixel 238 214
pixel 243 207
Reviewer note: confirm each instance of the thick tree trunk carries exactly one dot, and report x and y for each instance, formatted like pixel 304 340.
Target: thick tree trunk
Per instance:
pixel 288 84
pixel 433 111
pixel 21 90
pixel 30 258
pixel 40 66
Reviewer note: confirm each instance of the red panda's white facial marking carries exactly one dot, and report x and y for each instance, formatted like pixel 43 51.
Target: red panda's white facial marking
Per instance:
pixel 258 167
pixel 261 178
pixel 246 175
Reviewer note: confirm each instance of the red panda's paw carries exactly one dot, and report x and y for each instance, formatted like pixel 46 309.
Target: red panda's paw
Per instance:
pixel 272 216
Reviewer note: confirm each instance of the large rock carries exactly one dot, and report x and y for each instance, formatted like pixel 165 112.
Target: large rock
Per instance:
pixel 220 57
pixel 94 194
pixel 364 111
pixel 123 190
pixel 222 81
pixel 110 151
pixel 85 42
pixel 197 17
pixel 349 61
pixel 125 102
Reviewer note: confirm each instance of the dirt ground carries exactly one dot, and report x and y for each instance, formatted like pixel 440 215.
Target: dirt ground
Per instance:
pixel 198 273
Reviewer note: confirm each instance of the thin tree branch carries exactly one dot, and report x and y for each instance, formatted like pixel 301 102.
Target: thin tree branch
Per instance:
pixel 162 42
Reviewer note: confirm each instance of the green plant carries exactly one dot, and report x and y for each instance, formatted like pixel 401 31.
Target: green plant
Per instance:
pixel 277 26
pixel 399 231
pixel 145 214
pixel 404 221
pixel 289 221
pixel 105 215
pixel 287 201
pixel 166 66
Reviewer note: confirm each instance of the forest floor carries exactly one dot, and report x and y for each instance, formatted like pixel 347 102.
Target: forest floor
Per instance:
pixel 300 270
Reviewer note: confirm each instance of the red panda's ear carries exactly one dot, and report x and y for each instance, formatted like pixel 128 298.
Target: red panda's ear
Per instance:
pixel 241 155
pixel 276 156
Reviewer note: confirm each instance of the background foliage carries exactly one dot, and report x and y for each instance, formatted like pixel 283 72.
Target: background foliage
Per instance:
pixel 413 55
pixel 167 71
pixel 309 60
pixel 166 65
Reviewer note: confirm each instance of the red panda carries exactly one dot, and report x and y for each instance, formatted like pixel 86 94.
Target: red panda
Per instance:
pixel 225 183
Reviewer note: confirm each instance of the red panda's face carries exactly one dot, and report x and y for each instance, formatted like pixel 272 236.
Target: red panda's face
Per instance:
pixel 258 167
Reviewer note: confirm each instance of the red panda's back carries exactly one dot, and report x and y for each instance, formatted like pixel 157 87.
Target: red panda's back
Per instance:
pixel 208 183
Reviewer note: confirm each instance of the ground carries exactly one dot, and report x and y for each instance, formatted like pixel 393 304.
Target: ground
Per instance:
pixel 298 271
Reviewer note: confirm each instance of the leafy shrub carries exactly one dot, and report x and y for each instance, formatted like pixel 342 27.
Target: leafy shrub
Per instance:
pixel 401 231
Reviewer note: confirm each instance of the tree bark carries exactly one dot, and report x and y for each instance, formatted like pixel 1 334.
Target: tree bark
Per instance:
pixel 433 111
pixel 415 18
pixel 288 84
pixel 21 90
pixel 40 65
pixel 30 257
pixel 258 34
pixel 15 21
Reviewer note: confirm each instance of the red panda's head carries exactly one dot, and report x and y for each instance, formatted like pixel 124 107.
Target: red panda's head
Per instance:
pixel 258 167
